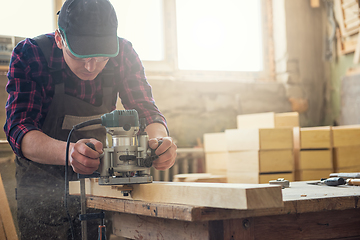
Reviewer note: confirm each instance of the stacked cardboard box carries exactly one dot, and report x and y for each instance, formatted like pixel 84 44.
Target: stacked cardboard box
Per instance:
pixel 315 156
pixel 346 143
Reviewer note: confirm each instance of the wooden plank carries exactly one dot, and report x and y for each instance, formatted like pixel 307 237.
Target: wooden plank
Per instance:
pixel 216 163
pixel 150 228
pixel 2 230
pixel 276 161
pixel 281 138
pixel 299 198
pixel 255 139
pixel 315 137
pixel 346 157
pixel 348 135
pixel 215 142
pixel 200 177
pixel 315 159
pixel 5 214
pixel 339 225
pixel 256 120
pixel 289 119
pixel 256 178
pixel 268 120
pixel 313 174
pixel 248 196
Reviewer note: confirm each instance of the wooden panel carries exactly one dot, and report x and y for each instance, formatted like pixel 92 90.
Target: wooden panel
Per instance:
pixel 257 120
pixel 256 178
pixel 276 161
pixel 344 136
pixel 315 159
pixel 306 175
pixel 299 198
pixel 255 139
pixel 246 166
pixel 199 194
pixel 150 228
pixel 243 161
pixel 200 177
pixel 215 142
pixel 268 120
pixel 242 139
pixel 289 119
pixel 216 163
pixel 315 137
pixel 348 169
pixel 346 157
pixel 5 215
pixel 338 225
pixel 243 177
pixel 280 138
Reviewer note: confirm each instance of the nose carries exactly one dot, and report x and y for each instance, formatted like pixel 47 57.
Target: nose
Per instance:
pixel 90 65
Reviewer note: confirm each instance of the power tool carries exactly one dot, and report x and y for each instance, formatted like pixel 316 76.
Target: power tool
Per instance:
pixel 127 161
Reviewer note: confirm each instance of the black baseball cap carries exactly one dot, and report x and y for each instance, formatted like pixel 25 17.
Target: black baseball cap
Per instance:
pixel 89 28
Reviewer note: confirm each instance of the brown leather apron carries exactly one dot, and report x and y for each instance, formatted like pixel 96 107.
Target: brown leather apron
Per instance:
pixel 40 187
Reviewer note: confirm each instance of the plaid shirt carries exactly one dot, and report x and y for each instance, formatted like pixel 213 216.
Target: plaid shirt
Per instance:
pixel 31 87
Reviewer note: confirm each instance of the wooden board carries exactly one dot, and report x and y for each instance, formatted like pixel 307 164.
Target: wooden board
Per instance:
pixel 216 163
pixel 256 178
pixel 5 215
pixel 199 177
pixel 217 195
pixel 276 160
pixel 299 198
pixel 215 142
pixel 268 120
pixel 262 161
pixel 256 120
pixel 255 139
pixel 315 137
pixel 344 136
pixel 289 119
pixel 315 159
pixel 346 157
pixel 316 174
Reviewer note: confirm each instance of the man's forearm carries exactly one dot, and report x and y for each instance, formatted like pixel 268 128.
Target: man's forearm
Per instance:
pixel 41 148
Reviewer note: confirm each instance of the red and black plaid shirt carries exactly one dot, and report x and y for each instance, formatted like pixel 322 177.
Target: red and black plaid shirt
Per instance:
pixel 31 88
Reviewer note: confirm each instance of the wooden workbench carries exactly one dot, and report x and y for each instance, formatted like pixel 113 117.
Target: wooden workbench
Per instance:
pixel 309 212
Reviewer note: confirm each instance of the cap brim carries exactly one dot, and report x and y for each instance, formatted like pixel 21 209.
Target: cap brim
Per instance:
pixel 93 46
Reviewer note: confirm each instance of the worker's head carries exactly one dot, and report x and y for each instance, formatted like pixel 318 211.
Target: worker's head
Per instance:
pixel 87 35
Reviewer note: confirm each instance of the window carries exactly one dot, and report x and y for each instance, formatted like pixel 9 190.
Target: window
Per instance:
pixel 142 26
pixel 26 18
pixel 219 35
pixel 199 39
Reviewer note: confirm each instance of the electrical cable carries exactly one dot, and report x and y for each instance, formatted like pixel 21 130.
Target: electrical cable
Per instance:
pixel 78 126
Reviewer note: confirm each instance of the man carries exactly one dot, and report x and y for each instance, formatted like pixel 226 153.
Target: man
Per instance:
pixel 77 72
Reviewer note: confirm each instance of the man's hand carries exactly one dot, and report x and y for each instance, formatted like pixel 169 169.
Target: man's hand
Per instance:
pixel 166 152
pixel 83 159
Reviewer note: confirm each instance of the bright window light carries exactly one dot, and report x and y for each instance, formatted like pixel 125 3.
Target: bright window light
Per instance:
pixel 24 18
pixel 219 35
pixel 141 22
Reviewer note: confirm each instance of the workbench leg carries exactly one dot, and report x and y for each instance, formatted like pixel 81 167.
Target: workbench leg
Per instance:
pixel 239 229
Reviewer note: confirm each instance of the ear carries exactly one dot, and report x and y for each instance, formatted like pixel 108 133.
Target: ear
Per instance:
pixel 58 39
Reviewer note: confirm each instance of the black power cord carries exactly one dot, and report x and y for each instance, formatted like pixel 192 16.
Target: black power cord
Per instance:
pixel 76 127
